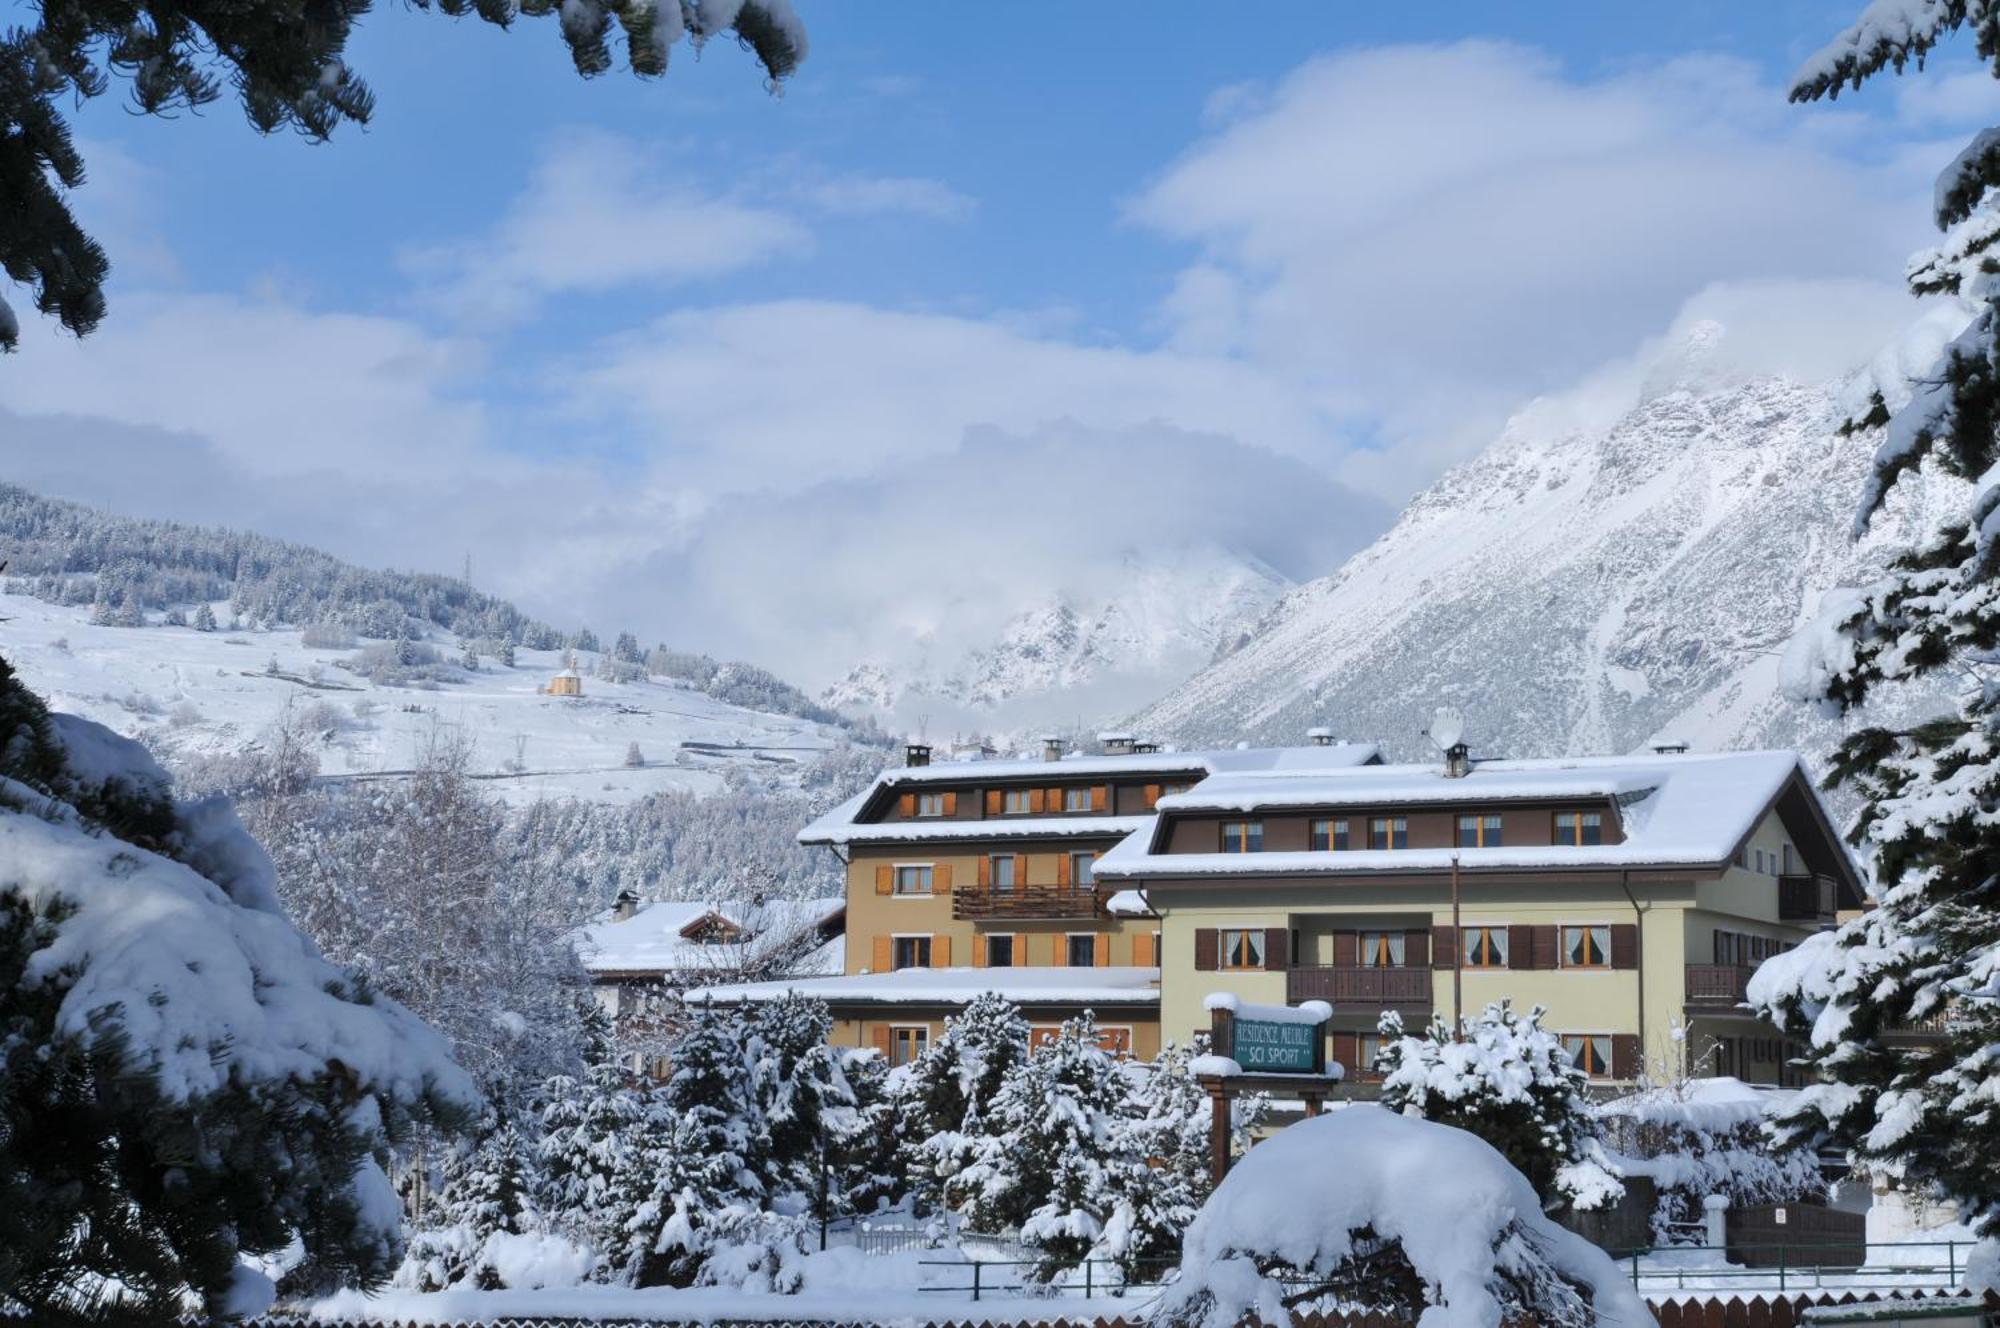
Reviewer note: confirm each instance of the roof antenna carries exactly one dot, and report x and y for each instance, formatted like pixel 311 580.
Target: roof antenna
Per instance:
pixel 1447 734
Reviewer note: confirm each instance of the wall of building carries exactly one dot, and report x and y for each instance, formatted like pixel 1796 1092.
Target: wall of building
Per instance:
pixel 860 1030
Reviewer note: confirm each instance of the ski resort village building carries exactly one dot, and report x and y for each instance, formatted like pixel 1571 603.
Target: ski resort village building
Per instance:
pixel 634 951
pixel 1630 896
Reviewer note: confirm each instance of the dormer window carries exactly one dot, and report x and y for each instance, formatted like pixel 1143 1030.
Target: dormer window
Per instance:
pixel 1329 836
pixel 1581 829
pixel 1480 831
pixel 1242 836
pixel 930 804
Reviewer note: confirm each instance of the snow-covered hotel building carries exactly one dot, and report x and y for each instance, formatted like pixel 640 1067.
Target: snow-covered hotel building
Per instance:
pixel 1631 896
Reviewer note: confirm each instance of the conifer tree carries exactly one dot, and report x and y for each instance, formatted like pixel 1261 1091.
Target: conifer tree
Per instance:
pixel 807 1105
pixel 487 1189
pixel 586 1158
pixel 1928 950
pixel 285 60
pixel 947 1093
pixel 1510 1082
pixel 1167 1133
pixel 204 618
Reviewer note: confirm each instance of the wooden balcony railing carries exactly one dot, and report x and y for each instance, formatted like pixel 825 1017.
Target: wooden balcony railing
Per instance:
pixel 1370 988
pixel 977 903
pixel 1806 898
pixel 1718 986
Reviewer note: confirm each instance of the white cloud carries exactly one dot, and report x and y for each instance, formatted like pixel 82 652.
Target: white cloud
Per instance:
pixel 867 196
pixel 1417 238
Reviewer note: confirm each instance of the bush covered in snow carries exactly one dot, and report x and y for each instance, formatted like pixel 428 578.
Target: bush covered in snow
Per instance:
pixel 1702 1137
pixel 1510 1082
pixel 1363 1207
pixel 187 1079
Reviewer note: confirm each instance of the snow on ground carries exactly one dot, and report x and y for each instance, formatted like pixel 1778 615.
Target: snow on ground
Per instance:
pixel 211 692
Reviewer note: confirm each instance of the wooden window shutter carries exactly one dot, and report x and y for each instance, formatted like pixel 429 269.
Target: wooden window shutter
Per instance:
pixel 941 879
pixel 879 1036
pixel 1624 945
pixel 1625 1056
pixel 994 805
pixel 1142 949
pixel 1207 950
pixel 1021 872
pixel 1545 946
pixel 1346 949
pixel 885 879
pixel 1038 801
pixel 985 871
pixel 906 806
pixel 940 952
pixel 1152 796
pixel 1346 1048
pixel 884 959
pixel 1520 946
pixel 1444 944
pixel 1062 869
pixel 1058 957
pixel 1100 946
pixel 1100 797
pixel 978 950
pixel 1417 949
pixel 951 804
pixel 1055 796
pixel 1277 948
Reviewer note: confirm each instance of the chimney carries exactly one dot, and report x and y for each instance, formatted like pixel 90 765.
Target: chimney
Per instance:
pixel 1117 744
pixel 1457 761
pixel 1320 737
pixel 1052 747
pixel 624 906
pixel 917 753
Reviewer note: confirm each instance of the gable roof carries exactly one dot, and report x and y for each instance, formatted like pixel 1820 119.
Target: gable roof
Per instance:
pixel 661 937
pixel 848 823
pixel 1677 810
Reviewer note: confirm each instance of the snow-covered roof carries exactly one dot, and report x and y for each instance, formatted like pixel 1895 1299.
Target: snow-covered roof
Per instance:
pixel 1676 810
pixel 842 826
pixel 1128 904
pixel 955 986
pixel 655 940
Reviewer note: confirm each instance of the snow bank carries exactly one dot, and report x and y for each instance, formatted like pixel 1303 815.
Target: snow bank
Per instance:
pixel 1468 1223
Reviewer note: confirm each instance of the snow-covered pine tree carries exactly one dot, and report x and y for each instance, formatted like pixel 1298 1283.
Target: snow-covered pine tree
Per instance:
pixel 150 1144
pixel 1930 948
pixel 806 1102
pixel 505 654
pixel 204 618
pixel 487 1189
pixel 587 1159
pixel 1167 1130
pixel 1511 1083
pixel 1053 1160
pixel 946 1094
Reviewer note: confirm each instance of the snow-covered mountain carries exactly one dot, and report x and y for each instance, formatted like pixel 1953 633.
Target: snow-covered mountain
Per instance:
pixel 1596 579
pixel 1074 656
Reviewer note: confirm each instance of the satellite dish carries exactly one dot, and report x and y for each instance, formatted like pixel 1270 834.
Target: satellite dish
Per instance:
pixel 1447 728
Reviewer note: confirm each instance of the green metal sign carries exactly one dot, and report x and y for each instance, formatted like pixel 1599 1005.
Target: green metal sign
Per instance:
pixel 1264 1045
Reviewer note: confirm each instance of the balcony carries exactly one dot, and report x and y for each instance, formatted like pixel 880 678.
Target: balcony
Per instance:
pixel 982 903
pixel 1806 898
pixel 1717 986
pixel 1370 989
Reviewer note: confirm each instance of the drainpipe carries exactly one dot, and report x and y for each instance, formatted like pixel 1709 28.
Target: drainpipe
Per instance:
pixel 1639 947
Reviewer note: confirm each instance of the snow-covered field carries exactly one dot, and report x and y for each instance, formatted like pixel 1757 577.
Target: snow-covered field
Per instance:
pixel 214 692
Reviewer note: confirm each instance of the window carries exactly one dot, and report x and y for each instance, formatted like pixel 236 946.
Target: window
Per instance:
pixel 1076 800
pixel 1242 947
pixel 1005 871
pixel 1583 829
pixel 906 1044
pixel 1329 836
pixel 1015 802
pixel 1081 866
pixel 1168 790
pixel 1485 947
pixel 911 952
pixel 1382 949
pixel 913 880
pixel 1082 950
pixel 1586 947
pixel 1242 836
pixel 999 951
pixel 930 804
pixel 1368 1050
pixel 1479 832
pixel 1389 832
pixel 1760 862
pixel 1589 1052
pixel 1787 868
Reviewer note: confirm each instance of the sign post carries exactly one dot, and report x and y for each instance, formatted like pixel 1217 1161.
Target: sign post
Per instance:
pixel 1277 1049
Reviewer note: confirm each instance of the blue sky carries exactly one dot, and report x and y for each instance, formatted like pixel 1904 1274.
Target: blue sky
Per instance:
pixel 608 335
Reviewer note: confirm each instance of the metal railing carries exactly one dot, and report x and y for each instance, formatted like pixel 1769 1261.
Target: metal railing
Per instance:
pixel 1372 987
pixel 1092 1277
pixel 1801 1266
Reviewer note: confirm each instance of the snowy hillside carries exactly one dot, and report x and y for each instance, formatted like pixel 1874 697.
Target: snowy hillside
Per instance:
pixel 1588 586
pixel 214 692
pixel 1074 657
